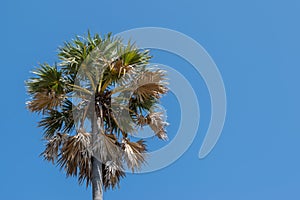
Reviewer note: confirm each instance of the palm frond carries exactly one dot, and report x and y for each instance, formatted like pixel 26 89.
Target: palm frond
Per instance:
pixel 134 153
pixel 72 54
pixel 44 101
pixel 156 122
pixel 55 121
pixel 150 84
pixel 75 157
pixel 131 55
pixel 53 146
pixel 47 89
pixel 47 78
pixel 111 173
pixel 128 57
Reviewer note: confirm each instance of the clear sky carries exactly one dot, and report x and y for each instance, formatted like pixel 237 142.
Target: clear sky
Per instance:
pixel 256 47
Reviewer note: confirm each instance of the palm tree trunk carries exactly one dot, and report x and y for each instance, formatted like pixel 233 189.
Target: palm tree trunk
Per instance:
pixel 97 181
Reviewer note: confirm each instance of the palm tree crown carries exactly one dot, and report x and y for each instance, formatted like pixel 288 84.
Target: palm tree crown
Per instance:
pixel 93 103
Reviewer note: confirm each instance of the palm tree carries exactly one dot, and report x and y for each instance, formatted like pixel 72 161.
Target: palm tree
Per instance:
pixel 93 103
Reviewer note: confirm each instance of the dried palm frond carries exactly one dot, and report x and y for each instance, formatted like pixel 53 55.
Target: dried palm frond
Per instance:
pixel 157 124
pixel 150 84
pixel 142 121
pixel 46 100
pixel 112 173
pixel 134 153
pixel 52 148
pixel 76 155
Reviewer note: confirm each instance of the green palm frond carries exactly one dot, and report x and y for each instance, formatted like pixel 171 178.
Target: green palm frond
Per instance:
pixel 58 120
pixel 47 88
pixel 47 78
pixel 72 54
pixel 119 60
pixel 147 104
pixel 128 58
pixel 131 55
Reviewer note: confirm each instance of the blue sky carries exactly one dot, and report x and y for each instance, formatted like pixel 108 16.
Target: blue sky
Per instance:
pixel 256 47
